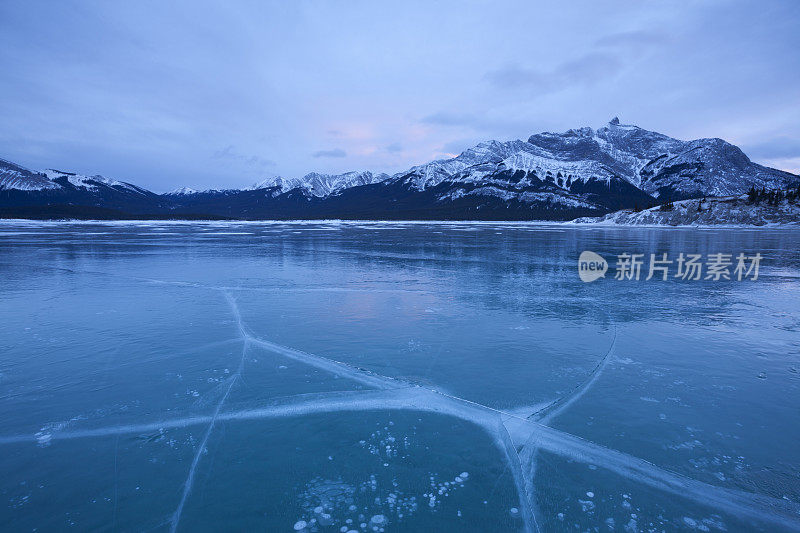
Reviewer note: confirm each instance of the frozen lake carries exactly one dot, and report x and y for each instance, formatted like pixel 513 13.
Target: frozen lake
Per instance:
pixel 393 377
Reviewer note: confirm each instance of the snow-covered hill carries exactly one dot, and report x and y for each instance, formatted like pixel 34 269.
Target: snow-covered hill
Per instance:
pixel 90 183
pixel 28 193
pixel 16 177
pixel 13 176
pixel 724 211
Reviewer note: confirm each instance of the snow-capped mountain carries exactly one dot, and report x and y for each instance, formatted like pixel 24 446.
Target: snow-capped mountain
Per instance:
pixel 660 166
pixel 90 183
pixel 13 176
pixel 320 185
pixel 182 191
pixel 556 176
pixel 34 192
pixel 16 177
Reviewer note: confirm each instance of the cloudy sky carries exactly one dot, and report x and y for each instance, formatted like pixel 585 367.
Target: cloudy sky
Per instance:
pixel 202 94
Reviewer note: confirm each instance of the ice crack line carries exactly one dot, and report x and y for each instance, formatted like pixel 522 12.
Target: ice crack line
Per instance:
pixel 738 503
pixel 381 382
pixel 515 465
pixel 539 435
pixel 395 394
pixel 187 486
pixel 536 436
pixel 559 405
pixel 529 454
pixel 360 375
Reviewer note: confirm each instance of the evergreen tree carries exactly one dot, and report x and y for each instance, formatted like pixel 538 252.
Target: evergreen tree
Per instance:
pixel 752 194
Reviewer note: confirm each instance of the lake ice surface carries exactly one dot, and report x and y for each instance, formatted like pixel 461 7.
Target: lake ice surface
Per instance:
pixel 328 376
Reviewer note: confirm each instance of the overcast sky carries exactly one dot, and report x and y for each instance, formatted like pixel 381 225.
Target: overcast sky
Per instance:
pixel 202 94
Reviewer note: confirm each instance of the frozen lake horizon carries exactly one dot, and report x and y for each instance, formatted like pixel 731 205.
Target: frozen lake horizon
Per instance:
pixel 394 376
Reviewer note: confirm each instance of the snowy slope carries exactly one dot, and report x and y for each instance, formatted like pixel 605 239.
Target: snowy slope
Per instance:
pixel 615 166
pixel 27 194
pixel 13 176
pixel 320 185
pixel 727 211
pixel 182 191
pixel 658 165
pixel 91 183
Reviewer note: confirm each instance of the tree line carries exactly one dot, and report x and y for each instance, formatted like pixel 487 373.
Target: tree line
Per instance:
pixel 772 196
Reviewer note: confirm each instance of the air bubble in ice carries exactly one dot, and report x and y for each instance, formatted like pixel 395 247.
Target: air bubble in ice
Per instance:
pixel 586 505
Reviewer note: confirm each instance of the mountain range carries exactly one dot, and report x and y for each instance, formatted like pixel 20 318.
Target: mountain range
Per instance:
pixel 549 176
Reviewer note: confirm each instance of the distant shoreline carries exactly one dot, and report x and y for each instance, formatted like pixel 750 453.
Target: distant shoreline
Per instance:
pixel 510 223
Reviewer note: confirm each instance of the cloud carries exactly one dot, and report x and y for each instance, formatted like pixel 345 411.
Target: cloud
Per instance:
pixel 456 147
pixel 336 152
pixel 630 39
pixel 777 148
pixel 583 71
pixel 445 118
pixel 253 161
pixel 394 148
pixel 484 125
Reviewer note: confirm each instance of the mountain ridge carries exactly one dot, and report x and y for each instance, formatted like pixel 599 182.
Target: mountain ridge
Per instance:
pixel 550 176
